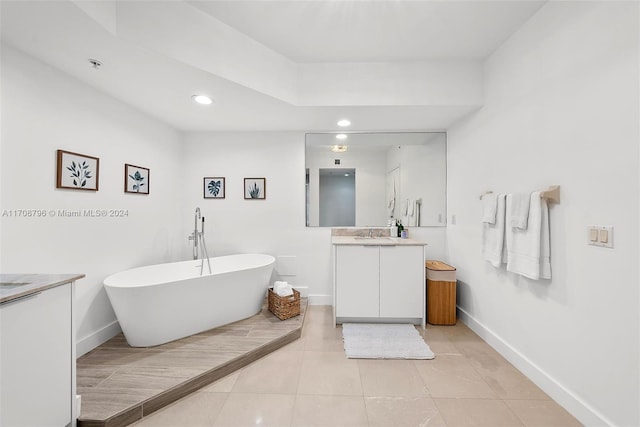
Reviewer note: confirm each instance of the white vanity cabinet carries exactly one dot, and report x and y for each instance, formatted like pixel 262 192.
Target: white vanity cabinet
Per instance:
pixel 37 358
pixel 379 282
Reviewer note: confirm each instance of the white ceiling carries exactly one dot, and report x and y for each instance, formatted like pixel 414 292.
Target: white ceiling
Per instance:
pixel 371 31
pixel 62 35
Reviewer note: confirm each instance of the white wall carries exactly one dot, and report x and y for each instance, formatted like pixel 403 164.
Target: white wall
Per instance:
pixel 561 108
pixel 44 110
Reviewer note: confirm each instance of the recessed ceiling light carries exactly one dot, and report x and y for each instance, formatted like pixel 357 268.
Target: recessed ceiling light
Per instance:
pixel 201 99
pixel 341 136
pixel 344 123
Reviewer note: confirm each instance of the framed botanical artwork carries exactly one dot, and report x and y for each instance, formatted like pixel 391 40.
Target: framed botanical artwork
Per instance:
pixel 255 188
pixel 214 187
pixel 136 179
pixel 77 171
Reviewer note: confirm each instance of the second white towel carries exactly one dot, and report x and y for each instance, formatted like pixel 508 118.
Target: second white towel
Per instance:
pixel 528 250
pixel 518 211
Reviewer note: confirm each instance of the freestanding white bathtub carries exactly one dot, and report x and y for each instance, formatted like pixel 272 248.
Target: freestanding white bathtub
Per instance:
pixel 164 302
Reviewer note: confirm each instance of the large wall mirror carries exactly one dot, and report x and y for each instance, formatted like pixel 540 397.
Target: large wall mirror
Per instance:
pixel 367 179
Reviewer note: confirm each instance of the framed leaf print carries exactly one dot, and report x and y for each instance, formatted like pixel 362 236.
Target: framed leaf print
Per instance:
pixel 214 187
pixel 255 188
pixel 77 171
pixel 136 179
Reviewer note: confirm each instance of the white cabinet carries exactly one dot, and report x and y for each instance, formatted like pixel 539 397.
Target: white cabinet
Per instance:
pixel 37 359
pixel 402 281
pixel 358 278
pixel 383 282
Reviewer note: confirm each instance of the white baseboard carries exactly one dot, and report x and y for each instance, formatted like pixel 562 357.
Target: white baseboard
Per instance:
pixel 304 290
pixel 586 414
pixel 320 299
pixel 90 342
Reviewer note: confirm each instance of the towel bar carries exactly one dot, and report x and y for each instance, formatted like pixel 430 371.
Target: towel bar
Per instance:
pixel 552 194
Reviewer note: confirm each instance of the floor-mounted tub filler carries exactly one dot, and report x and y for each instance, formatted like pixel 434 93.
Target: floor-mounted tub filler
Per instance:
pixel 164 302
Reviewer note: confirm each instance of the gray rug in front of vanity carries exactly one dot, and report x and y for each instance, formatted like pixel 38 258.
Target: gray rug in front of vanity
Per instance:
pixel 384 341
pixel 121 384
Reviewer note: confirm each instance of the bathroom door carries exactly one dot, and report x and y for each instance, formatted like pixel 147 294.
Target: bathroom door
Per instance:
pixel 337 197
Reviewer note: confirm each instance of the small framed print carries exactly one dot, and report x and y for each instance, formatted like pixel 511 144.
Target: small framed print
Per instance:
pixel 214 187
pixel 255 188
pixel 136 179
pixel 77 171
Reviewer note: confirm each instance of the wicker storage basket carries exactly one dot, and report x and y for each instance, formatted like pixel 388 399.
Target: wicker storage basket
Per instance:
pixel 284 307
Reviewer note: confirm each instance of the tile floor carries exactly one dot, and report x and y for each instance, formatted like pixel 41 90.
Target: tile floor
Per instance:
pixel 311 383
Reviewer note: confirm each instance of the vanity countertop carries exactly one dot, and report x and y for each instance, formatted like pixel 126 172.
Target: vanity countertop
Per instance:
pixel 14 286
pixel 375 241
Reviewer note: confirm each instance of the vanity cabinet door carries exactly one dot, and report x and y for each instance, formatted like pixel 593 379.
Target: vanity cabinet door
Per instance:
pixel 36 359
pixel 357 281
pixel 402 281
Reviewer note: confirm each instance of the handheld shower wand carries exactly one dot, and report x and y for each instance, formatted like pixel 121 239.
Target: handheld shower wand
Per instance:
pixel 204 250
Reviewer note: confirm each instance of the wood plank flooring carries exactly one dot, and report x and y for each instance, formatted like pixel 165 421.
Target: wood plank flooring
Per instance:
pixel 121 384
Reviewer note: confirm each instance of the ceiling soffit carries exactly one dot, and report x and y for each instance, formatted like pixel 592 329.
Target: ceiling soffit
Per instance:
pixel 215 47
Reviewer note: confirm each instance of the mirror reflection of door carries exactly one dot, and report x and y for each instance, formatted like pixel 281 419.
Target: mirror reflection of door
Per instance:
pixel 393 193
pixel 337 197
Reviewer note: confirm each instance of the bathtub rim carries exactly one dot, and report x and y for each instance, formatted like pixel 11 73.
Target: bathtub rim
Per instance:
pixel 112 280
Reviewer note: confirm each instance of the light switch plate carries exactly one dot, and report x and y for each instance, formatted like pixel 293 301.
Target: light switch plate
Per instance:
pixel 603 236
pixel 600 235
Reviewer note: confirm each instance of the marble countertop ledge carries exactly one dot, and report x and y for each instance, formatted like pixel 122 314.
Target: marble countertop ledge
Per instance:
pixel 34 283
pixel 375 241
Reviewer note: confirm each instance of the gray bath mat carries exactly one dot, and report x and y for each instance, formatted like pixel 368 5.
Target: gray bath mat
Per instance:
pixel 384 341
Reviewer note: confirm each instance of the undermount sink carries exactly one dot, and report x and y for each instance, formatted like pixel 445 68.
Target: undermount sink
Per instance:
pixel 372 238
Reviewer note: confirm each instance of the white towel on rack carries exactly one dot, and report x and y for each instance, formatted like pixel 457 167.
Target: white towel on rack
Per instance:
pixel 493 234
pixel 518 212
pixel 391 197
pixel 528 250
pixel 489 206
pixel 545 241
pixel 413 213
